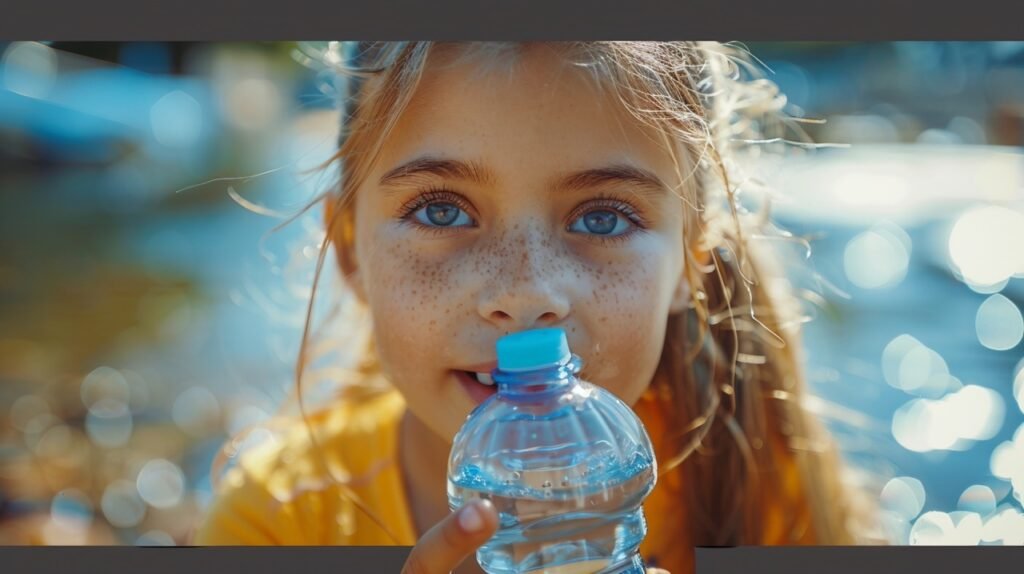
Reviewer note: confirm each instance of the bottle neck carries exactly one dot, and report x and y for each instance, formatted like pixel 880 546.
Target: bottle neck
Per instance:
pixel 538 382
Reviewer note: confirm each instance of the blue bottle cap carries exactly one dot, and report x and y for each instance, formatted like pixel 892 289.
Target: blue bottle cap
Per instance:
pixel 534 349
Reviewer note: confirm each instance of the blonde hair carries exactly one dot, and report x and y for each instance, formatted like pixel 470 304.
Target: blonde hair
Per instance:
pixel 751 458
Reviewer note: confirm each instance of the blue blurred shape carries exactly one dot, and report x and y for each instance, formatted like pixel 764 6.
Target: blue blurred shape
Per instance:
pixel 94 114
pixel 149 57
pixel 66 133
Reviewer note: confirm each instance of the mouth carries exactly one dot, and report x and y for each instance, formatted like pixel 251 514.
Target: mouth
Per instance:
pixel 479 385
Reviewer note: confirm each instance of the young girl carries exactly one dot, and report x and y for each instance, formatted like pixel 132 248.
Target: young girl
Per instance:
pixel 491 188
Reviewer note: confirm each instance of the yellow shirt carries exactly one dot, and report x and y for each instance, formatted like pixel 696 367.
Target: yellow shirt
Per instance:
pixel 281 493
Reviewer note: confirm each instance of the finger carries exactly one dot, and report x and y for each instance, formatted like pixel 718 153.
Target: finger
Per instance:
pixel 657 571
pixel 450 541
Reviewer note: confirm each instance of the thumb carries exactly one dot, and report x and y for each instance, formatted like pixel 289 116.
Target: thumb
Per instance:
pixel 450 541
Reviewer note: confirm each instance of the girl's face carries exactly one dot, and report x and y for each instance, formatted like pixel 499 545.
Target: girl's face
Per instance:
pixel 511 200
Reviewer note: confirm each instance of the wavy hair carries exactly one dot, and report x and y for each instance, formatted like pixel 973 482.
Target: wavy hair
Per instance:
pixel 751 464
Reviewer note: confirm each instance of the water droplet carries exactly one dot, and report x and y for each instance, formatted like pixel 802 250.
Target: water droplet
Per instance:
pixel 155 538
pixel 999 323
pixel 904 496
pixel 932 529
pixel 1006 526
pixel 25 408
pixel 109 423
pixel 196 411
pixel 981 244
pixel 877 258
pixel 176 120
pixel 968 528
pixel 161 483
pixel 977 498
pixel 1018 385
pixel 1007 460
pixel 975 412
pixel 912 367
pixel 71 508
pixel 122 505
pixel 895 527
pixel 56 441
pixel 970 414
pixel 104 383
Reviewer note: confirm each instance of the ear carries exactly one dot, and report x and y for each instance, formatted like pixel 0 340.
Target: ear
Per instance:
pixel 340 226
pixel 681 295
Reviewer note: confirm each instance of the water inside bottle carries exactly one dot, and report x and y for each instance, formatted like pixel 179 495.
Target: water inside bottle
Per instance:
pixel 566 464
pixel 548 527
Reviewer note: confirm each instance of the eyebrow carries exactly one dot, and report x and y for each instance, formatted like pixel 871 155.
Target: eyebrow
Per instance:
pixel 620 173
pixel 440 167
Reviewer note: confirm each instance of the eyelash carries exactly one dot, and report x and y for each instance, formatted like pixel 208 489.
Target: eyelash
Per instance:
pixel 609 201
pixel 429 196
pixel 617 204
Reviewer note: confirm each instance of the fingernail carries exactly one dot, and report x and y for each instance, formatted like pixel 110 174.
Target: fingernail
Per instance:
pixel 470 519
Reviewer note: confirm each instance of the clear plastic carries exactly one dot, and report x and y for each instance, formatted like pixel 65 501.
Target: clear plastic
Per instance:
pixel 566 464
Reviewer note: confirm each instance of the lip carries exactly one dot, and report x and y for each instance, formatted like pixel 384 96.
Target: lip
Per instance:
pixel 481 367
pixel 477 392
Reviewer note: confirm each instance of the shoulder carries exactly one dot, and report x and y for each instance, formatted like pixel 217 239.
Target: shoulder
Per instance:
pixel 302 480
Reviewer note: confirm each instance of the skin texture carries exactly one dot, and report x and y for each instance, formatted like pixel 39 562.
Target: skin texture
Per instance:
pixel 519 254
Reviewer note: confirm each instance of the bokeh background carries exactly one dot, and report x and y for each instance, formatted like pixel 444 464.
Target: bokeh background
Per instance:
pixel 153 283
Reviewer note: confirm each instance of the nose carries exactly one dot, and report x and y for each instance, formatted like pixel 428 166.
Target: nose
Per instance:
pixel 529 292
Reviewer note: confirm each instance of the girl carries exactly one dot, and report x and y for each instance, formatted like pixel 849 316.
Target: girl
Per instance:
pixel 491 188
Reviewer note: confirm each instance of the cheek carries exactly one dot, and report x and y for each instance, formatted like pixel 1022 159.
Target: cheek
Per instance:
pixel 414 300
pixel 629 309
pixel 391 293
pixel 423 303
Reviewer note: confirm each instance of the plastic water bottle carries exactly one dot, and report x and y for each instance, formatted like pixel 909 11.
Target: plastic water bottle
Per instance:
pixel 566 464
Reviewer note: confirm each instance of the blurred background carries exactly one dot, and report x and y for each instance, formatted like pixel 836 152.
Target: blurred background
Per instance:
pixel 151 306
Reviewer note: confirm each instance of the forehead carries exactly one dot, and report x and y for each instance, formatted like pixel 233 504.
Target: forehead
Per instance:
pixel 524 107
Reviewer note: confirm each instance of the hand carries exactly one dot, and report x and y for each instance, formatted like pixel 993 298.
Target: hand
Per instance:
pixel 450 541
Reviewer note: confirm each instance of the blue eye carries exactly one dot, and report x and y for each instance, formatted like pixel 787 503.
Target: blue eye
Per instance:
pixel 601 222
pixel 442 214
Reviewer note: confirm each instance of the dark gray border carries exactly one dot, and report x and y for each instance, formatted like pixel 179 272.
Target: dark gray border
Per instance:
pixel 750 20
pixel 859 559
pixel 388 559
pixel 203 560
